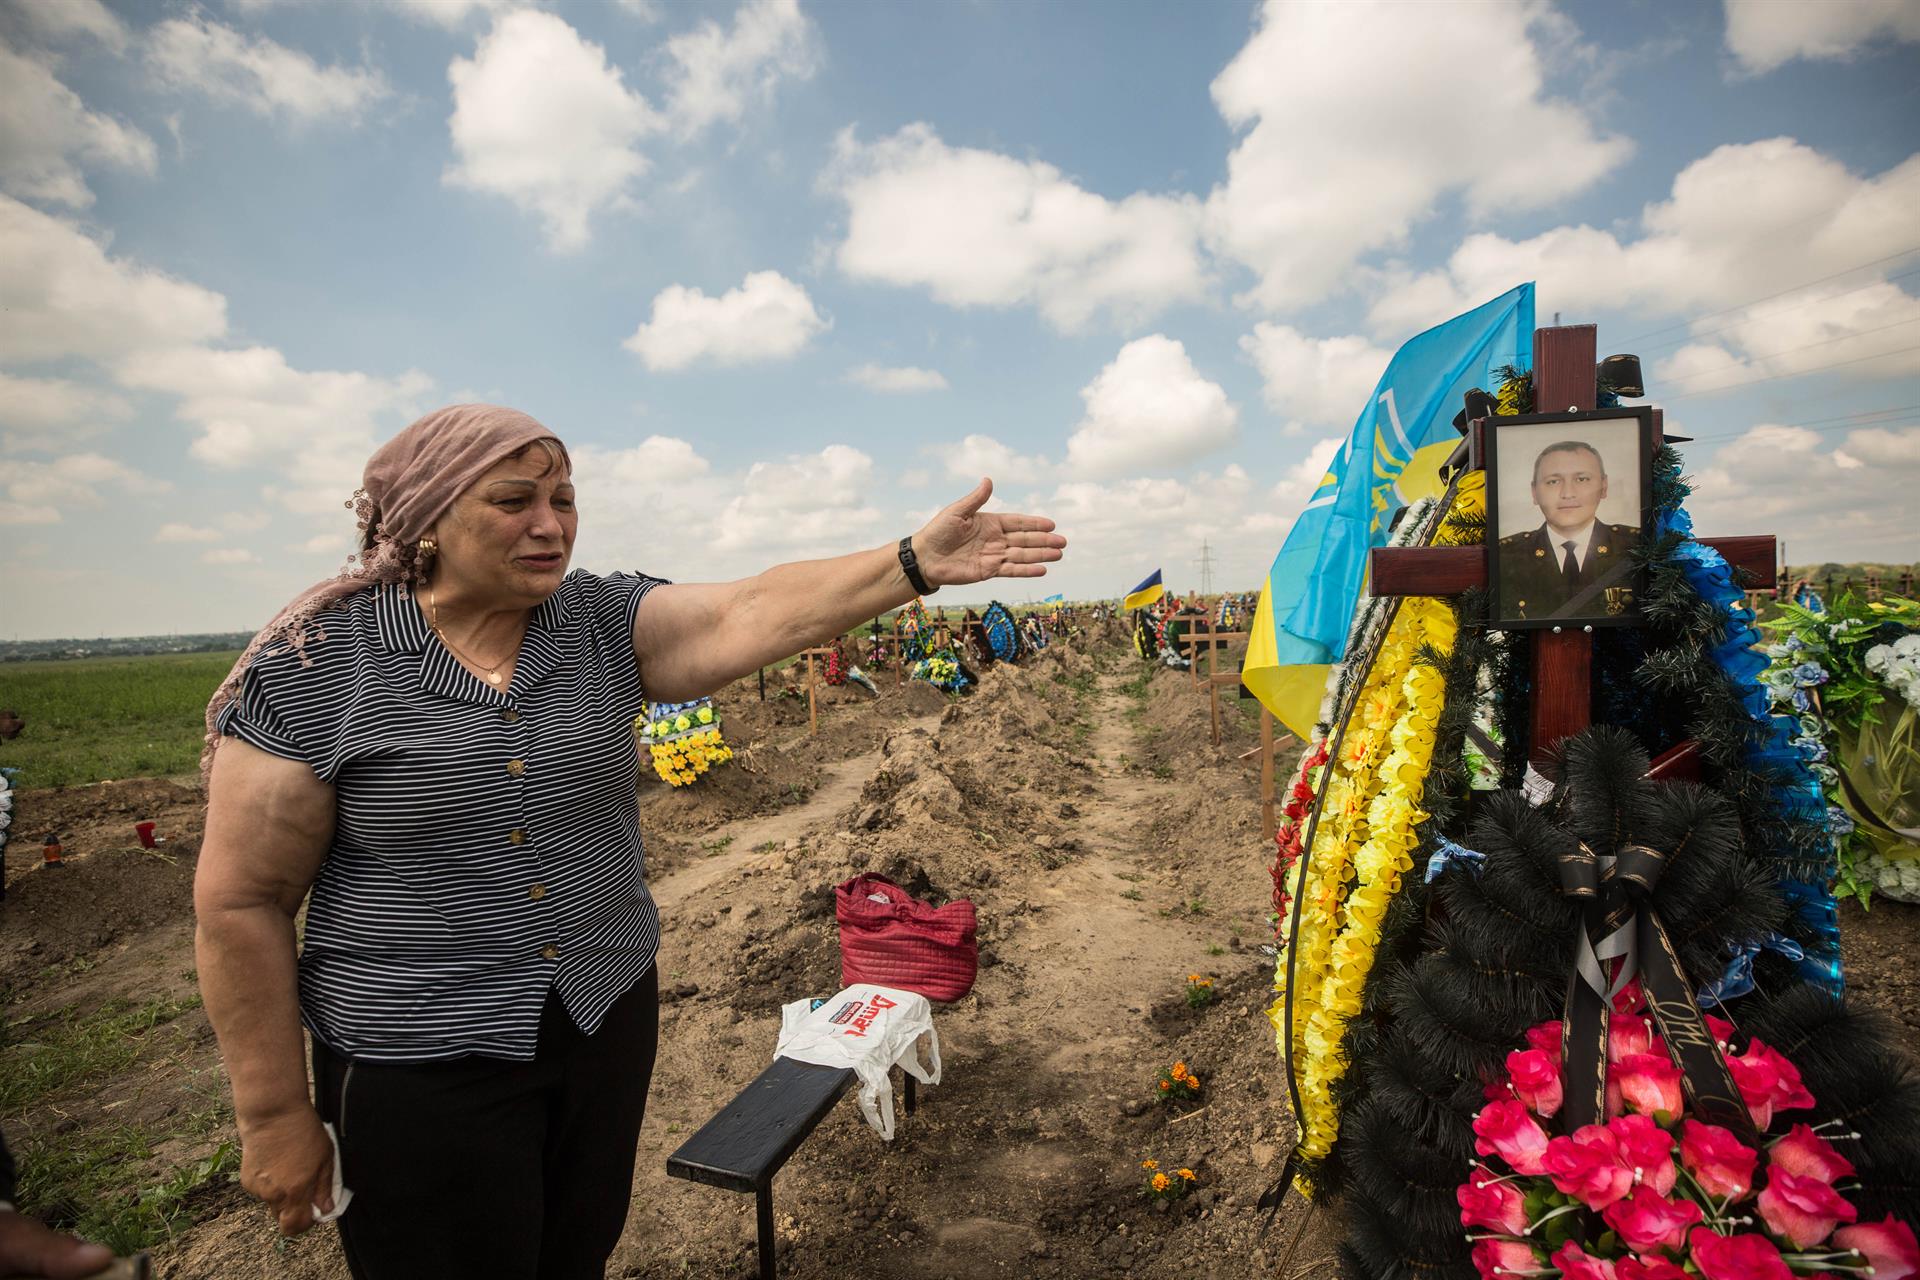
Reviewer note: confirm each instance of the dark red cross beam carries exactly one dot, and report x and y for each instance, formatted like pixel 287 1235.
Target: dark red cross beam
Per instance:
pixel 1564 360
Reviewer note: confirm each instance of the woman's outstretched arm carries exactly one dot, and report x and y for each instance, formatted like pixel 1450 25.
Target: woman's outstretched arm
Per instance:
pixel 693 638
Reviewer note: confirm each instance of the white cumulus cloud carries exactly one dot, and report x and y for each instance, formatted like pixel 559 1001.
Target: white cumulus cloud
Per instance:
pixel 36 491
pixel 1314 381
pixel 1149 409
pixel 229 555
pixel 1764 34
pixel 48 136
pixel 897 379
pixel 61 295
pixel 768 317
pixel 979 229
pixel 982 455
pixel 718 72
pixel 1361 117
pixel 252 408
pixel 1746 221
pixel 541 118
pixel 43 413
pixel 1833 492
pixel 197 54
pixel 56 20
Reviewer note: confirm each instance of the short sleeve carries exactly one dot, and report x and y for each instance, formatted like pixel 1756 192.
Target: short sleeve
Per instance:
pixel 616 602
pixel 259 717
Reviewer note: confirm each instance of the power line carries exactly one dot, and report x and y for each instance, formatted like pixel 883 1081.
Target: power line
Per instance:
pixel 1819 368
pixel 1726 311
pixel 1808 346
pixel 1839 426
pixel 1778 311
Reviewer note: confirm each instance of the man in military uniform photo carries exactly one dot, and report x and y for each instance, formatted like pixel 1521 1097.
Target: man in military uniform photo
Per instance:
pixel 1574 565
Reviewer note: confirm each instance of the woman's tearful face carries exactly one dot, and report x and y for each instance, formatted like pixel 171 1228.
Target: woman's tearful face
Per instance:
pixel 511 534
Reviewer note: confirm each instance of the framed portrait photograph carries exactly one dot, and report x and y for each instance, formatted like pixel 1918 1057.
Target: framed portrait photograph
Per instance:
pixel 1567 501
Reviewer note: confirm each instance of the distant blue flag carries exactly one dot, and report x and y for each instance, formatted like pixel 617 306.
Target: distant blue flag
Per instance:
pixel 1392 457
pixel 1053 599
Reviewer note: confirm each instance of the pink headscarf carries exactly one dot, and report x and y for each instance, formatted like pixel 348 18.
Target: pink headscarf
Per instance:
pixel 409 483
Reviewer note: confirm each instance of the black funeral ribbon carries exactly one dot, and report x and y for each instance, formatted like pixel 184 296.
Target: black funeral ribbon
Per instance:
pixel 1618 922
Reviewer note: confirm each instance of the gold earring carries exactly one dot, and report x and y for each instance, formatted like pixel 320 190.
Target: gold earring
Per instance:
pixel 428 548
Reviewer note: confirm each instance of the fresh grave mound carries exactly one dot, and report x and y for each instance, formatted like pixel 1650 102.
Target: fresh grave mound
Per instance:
pixel 1176 724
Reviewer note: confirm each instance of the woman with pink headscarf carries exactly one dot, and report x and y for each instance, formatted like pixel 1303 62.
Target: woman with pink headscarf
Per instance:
pixel 434 752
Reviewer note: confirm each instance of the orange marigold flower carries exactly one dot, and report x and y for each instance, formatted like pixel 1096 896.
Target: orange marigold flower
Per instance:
pixel 1149 1164
pixel 1161 1182
pixel 1179 1069
pixel 1187 1174
pixel 1165 1084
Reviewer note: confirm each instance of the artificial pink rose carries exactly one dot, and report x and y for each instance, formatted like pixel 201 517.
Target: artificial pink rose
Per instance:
pixel 1889 1247
pixel 1809 1155
pixel 1485 1201
pixel 1587 1166
pixel 1802 1211
pixel 1654 1267
pixel 1718 1161
pixel 1742 1257
pixel 1628 1035
pixel 1536 1080
pixel 1649 1084
pixel 1647 1220
pixel 1629 999
pixel 1768 1083
pixel 1508 1130
pixel 1576 1263
pixel 1495 1258
pixel 1546 1038
pixel 1647 1149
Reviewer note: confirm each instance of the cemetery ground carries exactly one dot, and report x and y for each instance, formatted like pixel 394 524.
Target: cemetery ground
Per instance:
pixel 1111 851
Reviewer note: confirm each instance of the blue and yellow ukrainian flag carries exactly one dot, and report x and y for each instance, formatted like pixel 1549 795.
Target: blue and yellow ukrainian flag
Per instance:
pixel 1146 593
pixel 1391 458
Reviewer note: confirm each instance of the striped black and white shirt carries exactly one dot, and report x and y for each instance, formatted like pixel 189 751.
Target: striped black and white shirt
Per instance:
pixel 487 844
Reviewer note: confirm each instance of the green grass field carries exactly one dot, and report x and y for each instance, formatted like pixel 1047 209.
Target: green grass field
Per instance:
pixel 90 719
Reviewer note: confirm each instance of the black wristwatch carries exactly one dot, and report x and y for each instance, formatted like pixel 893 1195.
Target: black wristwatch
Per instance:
pixel 911 564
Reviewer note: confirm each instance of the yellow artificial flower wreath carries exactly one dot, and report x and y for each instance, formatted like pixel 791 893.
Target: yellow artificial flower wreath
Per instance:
pixel 1363 846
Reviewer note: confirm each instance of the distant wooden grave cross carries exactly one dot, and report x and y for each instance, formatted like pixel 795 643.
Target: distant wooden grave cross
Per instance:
pixel 1564 364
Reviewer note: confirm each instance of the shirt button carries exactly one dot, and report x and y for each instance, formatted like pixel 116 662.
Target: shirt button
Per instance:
pixel 510 716
pixel 537 892
pixel 515 768
pixel 516 836
pixel 550 952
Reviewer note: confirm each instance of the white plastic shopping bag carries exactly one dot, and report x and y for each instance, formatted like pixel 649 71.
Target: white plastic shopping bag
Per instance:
pixel 868 1028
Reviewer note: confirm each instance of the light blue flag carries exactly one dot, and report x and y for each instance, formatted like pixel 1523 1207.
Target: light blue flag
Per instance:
pixel 1391 458
pixel 1053 599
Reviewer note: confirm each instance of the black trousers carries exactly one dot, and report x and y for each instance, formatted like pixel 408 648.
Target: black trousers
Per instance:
pixel 478 1167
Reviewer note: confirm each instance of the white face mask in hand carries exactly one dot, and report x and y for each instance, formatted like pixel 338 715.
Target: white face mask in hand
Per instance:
pixel 341 1196
pixel 870 1029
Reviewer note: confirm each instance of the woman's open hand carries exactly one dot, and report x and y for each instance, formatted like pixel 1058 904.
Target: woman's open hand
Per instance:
pixel 964 544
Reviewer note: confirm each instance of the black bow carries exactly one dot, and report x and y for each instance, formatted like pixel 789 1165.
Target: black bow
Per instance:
pixel 1619 923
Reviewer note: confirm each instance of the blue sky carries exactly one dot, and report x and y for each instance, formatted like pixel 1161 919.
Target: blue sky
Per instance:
pixel 785 274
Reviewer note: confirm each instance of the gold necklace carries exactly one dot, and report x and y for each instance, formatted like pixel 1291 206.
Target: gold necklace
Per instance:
pixel 493 669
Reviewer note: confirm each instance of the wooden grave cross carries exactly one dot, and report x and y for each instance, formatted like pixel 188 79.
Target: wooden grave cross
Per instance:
pixel 1564 364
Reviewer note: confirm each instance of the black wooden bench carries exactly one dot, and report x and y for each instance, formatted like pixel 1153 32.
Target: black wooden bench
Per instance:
pixel 743 1146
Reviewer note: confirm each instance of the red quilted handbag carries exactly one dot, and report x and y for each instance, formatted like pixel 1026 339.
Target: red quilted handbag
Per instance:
pixel 890 938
